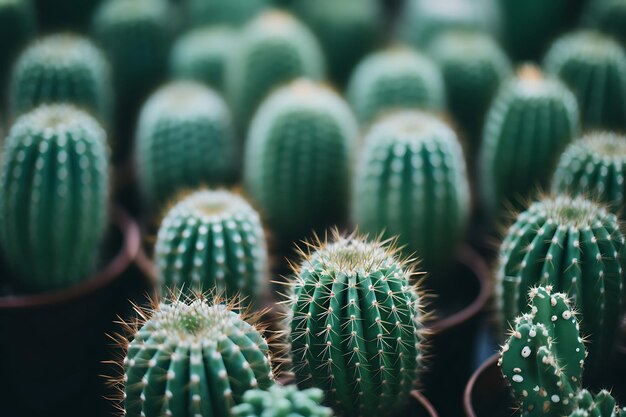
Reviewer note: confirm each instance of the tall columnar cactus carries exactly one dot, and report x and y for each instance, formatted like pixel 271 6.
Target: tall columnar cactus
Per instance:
pixel 608 16
pixel 53 197
pixel 229 12
pixel 544 356
pixel 594 67
pixel 594 165
pixel 185 138
pixel 212 240
pixel 411 182
pixel 395 78
pixel 17 26
pixel 473 67
pixel 603 405
pixel 355 330
pixel 529 124
pixel 202 55
pixel 297 159
pixel 193 359
pixel 576 246
pixel 274 49
pixel 62 68
pixel 279 401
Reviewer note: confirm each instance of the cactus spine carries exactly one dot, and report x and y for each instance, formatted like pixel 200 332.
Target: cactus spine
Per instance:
pixel 282 401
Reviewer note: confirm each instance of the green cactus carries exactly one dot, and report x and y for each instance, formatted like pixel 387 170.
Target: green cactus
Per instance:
pixel 544 356
pixel 53 197
pixel 17 27
pixel 594 165
pixel 202 55
pixel 274 49
pixel 230 12
pixel 594 67
pixel 608 16
pixel 185 138
pixel 529 124
pixel 395 78
pixel 297 159
pixel 282 401
pixel 193 359
pixel 212 240
pixel 473 67
pixel 603 405
pixel 411 182
pixel 62 68
pixel 356 326
pixel 576 246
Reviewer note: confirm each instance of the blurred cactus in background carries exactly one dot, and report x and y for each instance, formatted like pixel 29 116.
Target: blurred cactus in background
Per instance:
pixel 229 12
pixel 74 15
pixel 609 17
pixel 17 27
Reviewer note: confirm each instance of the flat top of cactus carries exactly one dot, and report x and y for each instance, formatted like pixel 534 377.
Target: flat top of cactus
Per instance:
pixel 570 211
pixel 606 145
pixel 445 8
pixel 212 204
pixel 55 120
pixel 586 43
pixel 463 41
pixel 64 49
pixel 530 82
pixel 124 10
pixel 206 38
pixel 529 72
pixel 394 56
pixel 185 99
pixel 276 20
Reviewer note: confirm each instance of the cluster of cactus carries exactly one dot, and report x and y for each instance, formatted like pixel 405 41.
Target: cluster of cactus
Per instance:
pixel 282 401
pixel 17 26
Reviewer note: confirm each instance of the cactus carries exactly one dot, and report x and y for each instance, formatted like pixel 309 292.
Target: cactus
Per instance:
pixel 603 405
pixel 185 138
pixel 230 12
pixel 594 165
pixel 544 356
pixel 576 246
pixel 529 124
pixel 202 55
pixel 62 69
pixel 53 197
pixel 17 26
pixel 395 78
pixel 594 67
pixel 193 359
pixel 212 240
pixel 274 49
pixel 411 182
pixel 282 401
pixel 297 159
pixel 356 326
pixel 473 67
pixel 608 16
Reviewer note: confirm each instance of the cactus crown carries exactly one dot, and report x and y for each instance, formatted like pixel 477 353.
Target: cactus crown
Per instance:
pixel 211 205
pixel 282 401
pixel 130 11
pixel 65 49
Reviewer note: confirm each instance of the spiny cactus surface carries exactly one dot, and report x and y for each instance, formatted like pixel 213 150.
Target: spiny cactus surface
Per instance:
pixel 602 405
pixel 280 401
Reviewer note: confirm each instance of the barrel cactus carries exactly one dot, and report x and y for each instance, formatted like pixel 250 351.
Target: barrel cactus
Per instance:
pixel 602 405
pixel 202 55
pixel 54 184
pixel 212 241
pixel 281 401
pixel 185 138
pixel 194 358
pixel 576 246
pixel 594 67
pixel 274 49
pixel 594 165
pixel 297 159
pixel 356 326
pixel 62 68
pixel 395 78
pixel 411 182
pixel 228 12
pixel 608 16
pixel 529 124
pixel 17 26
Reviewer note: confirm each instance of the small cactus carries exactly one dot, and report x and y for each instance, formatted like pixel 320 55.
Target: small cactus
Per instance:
pixel 279 401
pixel 594 67
pixel 185 138
pixel 395 78
pixel 212 241
pixel 62 68
pixel 193 359
pixel 594 165
pixel 17 27
pixel 228 12
pixel 411 182
pixel 603 405
pixel 53 197
pixel 297 159
pixel 529 124
pixel 609 17
pixel 356 326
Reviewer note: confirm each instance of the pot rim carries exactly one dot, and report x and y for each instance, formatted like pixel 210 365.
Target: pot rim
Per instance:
pixel 467 393
pixel 419 397
pixel 121 220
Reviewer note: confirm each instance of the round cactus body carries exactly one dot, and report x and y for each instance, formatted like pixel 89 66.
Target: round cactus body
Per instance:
pixel 396 78
pixel 608 16
pixel 62 69
pixel 281 401
pixel 602 405
pixel 229 12
pixel 355 330
pixel 274 49
pixel 193 359
pixel 529 124
pixel 212 241
pixel 53 197
pixel 595 166
pixel 297 159
pixel 17 26
pixel 202 55
pixel 411 182
pixel 575 246
pixel 594 67
pixel 185 138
